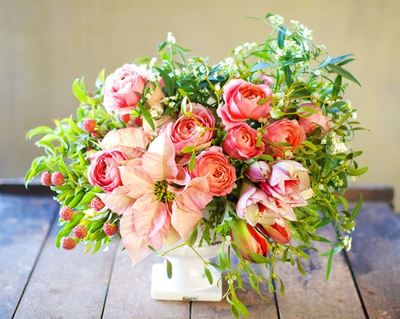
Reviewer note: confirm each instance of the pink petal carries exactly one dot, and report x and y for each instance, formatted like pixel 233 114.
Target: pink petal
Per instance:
pixel 136 180
pixel 150 215
pixel 159 161
pixel 118 201
pixel 184 221
pixel 135 245
pixel 195 196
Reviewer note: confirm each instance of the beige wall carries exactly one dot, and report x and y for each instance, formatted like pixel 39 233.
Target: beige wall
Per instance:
pixel 46 44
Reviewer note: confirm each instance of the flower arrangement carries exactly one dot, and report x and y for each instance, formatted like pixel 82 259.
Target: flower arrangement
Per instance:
pixel 251 152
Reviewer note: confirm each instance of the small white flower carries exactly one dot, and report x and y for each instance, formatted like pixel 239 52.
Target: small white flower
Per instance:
pixel 354 115
pixel 276 20
pixel 347 242
pixel 152 62
pixel 170 38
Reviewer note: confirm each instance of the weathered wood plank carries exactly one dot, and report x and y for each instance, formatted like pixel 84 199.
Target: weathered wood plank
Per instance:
pixel 371 193
pixel 311 296
pixel 258 308
pixel 67 284
pixel 375 260
pixel 25 222
pixel 129 293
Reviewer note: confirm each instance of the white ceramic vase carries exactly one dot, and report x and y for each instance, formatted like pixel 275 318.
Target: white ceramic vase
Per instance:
pixel 188 280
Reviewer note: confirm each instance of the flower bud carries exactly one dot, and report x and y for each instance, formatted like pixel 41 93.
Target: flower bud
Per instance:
pixel 278 231
pixel 258 172
pixel 248 240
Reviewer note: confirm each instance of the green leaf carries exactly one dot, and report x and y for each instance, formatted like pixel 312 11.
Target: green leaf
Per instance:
pixel 357 208
pixel 300 267
pixel 188 149
pixel 281 36
pixel 192 161
pixel 358 172
pixel 169 269
pixel 79 90
pixel 329 264
pixel 241 308
pixel 337 85
pixel 258 258
pixel 147 116
pixel 288 75
pixel 40 130
pixel 208 274
pixel 222 259
pixel 344 73
pixel 192 238
pixel 260 66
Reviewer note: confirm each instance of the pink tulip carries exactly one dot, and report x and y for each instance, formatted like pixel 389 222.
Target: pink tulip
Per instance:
pixel 258 172
pixel 257 207
pixel 247 240
pixel 154 210
pixel 278 231
pixel 244 101
pixel 289 183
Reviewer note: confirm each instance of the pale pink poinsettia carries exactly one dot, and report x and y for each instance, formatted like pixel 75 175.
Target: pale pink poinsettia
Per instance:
pixel 257 207
pixel 155 208
pixel 132 141
pixel 289 182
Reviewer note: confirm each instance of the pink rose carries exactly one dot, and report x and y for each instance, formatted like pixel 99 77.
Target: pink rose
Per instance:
pixel 257 207
pixel 213 164
pixel 311 122
pixel 103 170
pixel 284 135
pixel 289 182
pixel 241 142
pixel 243 101
pixel 123 89
pixel 193 129
pixel 258 172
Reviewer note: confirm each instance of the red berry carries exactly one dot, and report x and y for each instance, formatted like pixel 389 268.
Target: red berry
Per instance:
pixel 80 231
pixel 97 204
pixel 138 121
pixel 66 213
pixel 89 125
pixel 68 243
pixel 57 179
pixel 125 118
pixel 110 229
pixel 46 178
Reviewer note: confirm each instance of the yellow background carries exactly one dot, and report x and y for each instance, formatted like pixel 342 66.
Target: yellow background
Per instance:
pixel 46 44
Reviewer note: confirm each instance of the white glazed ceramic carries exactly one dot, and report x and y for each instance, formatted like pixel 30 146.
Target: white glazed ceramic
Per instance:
pixel 188 281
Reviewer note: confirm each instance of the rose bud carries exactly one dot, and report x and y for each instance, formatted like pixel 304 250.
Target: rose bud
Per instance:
pixel 258 172
pixel 278 231
pixel 248 240
pixel 97 204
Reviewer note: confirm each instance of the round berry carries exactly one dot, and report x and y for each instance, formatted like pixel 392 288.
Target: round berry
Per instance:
pixel 89 125
pixel 66 213
pixel 125 118
pixel 80 231
pixel 138 121
pixel 95 135
pixel 45 178
pixel 110 229
pixel 97 204
pixel 57 178
pixel 68 243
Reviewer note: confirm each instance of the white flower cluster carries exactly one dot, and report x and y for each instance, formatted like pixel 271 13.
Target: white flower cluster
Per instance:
pixel 347 242
pixel 276 20
pixel 228 66
pixel 170 38
pixel 244 49
pixel 170 101
pixel 303 30
pixel 338 146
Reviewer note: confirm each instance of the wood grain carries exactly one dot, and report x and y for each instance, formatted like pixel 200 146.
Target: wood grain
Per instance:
pixel 129 293
pixel 25 222
pixel 375 260
pixel 67 284
pixel 311 296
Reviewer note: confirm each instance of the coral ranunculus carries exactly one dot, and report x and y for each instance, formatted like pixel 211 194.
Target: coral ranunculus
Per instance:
pixel 123 89
pixel 284 135
pixel 241 142
pixel 196 128
pixel 244 101
pixel 213 164
pixel 104 169
pixel 314 120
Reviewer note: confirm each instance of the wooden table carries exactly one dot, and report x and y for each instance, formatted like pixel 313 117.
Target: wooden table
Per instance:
pixel 39 281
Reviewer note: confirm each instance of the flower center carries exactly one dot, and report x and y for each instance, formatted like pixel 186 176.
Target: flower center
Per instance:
pixel 161 192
